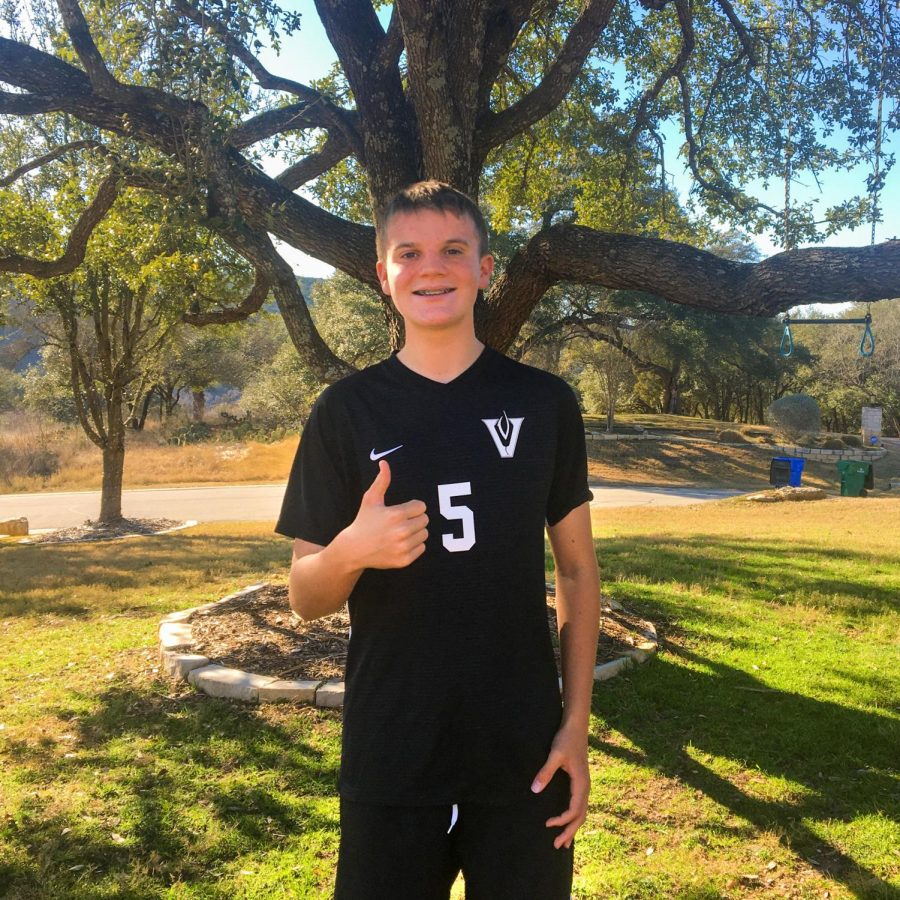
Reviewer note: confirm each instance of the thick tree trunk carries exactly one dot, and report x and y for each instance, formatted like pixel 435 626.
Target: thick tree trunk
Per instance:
pixel 672 398
pixel 138 421
pixel 198 405
pixel 111 491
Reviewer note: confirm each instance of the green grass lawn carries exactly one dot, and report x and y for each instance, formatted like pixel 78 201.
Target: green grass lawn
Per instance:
pixel 755 756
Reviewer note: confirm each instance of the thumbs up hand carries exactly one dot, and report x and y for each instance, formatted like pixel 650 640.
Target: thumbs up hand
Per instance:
pixel 386 537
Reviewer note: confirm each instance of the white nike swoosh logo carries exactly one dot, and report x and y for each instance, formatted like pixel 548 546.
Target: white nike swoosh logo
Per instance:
pixel 376 456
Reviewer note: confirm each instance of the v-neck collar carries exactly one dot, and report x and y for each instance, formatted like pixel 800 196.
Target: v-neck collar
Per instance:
pixel 411 377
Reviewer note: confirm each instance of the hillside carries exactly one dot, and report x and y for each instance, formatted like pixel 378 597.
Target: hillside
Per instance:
pixel 688 454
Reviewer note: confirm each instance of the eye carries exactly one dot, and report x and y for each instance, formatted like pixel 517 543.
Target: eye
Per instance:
pixel 408 254
pixel 454 251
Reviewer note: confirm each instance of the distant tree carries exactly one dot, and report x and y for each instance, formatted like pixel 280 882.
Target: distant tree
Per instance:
pixel 282 393
pixel 350 317
pixel 603 374
pixel 12 389
pixel 842 381
pixel 109 321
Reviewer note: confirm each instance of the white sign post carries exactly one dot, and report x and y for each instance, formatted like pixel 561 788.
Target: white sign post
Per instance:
pixel 871 425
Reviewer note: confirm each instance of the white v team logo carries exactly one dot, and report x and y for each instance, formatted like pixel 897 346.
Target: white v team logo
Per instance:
pixel 505 432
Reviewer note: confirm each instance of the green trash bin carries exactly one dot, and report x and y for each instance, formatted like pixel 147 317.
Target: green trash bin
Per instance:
pixel 853 477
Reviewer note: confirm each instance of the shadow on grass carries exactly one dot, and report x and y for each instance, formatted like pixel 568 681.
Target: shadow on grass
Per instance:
pixel 137 566
pixel 778 572
pixel 192 782
pixel 672 713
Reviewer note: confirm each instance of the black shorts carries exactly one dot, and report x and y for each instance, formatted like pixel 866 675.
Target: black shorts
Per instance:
pixel 412 853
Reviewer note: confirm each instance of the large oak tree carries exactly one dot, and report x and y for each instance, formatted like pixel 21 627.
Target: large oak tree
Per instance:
pixel 556 113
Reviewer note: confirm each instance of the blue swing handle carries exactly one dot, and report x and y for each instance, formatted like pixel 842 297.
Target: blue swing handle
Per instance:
pixel 867 342
pixel 787 339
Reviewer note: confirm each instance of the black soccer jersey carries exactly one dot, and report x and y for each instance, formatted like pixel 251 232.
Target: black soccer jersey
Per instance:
pixel 451 686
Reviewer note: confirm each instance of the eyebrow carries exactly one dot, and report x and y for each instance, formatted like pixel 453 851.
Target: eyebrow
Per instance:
pixel 406 244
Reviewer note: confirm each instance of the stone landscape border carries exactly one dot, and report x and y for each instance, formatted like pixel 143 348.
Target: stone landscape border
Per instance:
pixel 822 454
pixel 178 661
pixel 190 523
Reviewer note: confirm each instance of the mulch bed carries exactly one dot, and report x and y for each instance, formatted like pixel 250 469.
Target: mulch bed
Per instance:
pixel 98 531
pixel 259 633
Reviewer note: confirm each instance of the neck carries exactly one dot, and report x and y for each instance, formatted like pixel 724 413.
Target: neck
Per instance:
pixel 437 358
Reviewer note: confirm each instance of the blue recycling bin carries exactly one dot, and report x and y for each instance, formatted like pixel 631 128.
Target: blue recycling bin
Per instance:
pixel 786 471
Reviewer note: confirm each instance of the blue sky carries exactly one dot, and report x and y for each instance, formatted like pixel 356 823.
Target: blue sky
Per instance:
pixel 308 55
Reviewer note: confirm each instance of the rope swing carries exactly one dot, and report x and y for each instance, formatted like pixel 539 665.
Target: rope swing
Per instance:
pixel 867 341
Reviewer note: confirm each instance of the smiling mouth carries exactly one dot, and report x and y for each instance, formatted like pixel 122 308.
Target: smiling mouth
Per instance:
pixel 438 292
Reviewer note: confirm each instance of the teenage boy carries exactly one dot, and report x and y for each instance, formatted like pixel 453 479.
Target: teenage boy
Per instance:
pixel 420 493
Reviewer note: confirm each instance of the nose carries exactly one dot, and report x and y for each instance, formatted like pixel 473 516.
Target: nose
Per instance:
pixel 433 261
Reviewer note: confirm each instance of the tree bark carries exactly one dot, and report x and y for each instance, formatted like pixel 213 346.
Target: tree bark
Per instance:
pixel 198 405
pixel 113 470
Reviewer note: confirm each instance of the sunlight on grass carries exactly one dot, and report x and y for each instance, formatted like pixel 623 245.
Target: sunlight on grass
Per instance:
pixel 755 754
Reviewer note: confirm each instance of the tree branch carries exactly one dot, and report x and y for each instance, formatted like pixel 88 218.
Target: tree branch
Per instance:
pixel 686 22
pixel 26 104
pixel 332 152
pixel 77 243
pixel 368 58
pixel 498 128
pixel 355 33
pixel 39 161
pixel 744 36
pixel 250 304
pixel 295 117
pixel 257 248
pixel 683 274
pixel 262 75
pixel 721 187
pixel 41 74
pixel 330 115
pixel 392 46
pixel 503 26
pixel 102 79
pixel 83 44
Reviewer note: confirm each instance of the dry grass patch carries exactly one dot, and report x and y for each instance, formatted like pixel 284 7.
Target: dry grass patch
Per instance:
pixel 38 457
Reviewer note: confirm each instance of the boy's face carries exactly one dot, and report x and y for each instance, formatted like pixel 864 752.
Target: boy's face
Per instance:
pixel 432 269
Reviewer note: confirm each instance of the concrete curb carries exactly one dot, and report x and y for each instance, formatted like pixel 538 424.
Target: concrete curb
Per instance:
pixel 119 537
pixel 179 662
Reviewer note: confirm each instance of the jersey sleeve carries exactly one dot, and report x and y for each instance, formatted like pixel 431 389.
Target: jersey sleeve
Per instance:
pixel 569 487
pixel 317 503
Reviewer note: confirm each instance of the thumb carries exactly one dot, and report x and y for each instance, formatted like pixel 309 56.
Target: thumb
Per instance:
pixel 548 770
pixel 378 488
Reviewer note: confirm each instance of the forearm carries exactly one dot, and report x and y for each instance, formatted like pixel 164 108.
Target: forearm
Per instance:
pixel 321 582
pixel 578 620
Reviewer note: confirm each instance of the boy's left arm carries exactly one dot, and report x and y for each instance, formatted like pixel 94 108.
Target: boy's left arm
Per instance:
pixel 578 621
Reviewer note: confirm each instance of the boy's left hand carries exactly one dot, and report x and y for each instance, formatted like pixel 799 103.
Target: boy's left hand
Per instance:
pixel 568 752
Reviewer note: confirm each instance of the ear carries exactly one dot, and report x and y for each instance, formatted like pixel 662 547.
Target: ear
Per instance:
pixel 381 272
pixel 486 270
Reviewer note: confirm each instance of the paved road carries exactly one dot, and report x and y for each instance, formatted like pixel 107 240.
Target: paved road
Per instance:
pixel 260 502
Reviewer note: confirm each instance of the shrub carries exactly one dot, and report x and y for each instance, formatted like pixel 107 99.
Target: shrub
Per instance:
pixel 22 458
pixel 852 440
pixel 281 394
pixel 833 443
pixel 194 433
pixel 794 415
pixel 12 387
pixel 730 437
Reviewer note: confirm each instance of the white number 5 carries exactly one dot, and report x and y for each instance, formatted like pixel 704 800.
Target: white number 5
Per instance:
pixel 446 493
